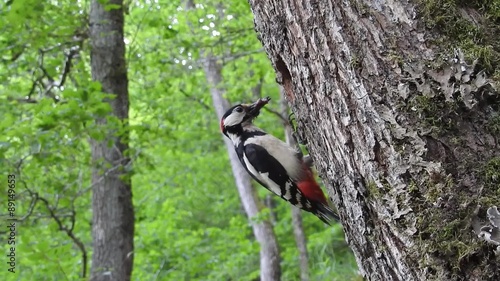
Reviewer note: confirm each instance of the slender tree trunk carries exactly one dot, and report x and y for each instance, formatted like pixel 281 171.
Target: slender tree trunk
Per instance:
pixel 301 241
pixel 270 203
pixel 298 229
pixel 113 214
pixel 270 269
pixel 404 133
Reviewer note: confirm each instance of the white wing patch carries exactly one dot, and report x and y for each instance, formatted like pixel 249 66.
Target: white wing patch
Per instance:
pixel 264 178
pixel 282 152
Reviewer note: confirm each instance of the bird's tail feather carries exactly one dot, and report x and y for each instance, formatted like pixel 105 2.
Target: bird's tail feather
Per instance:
pixel 326 214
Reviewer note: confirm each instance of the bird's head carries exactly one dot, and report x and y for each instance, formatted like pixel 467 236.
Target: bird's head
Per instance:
pixel 241 113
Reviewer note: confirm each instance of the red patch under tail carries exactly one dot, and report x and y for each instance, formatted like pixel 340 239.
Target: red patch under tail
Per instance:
pixel 310 188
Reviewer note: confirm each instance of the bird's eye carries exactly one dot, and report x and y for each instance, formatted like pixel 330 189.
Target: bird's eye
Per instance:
pixel 239 109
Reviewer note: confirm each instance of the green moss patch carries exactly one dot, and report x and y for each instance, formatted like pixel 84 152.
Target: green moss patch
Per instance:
pixel 472 26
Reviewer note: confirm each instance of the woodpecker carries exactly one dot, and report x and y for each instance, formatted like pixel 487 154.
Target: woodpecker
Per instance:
pixel 273 163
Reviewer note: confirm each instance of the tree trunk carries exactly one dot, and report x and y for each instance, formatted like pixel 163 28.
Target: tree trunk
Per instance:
pixel 270 269
pixel 113 214
pixel 405 141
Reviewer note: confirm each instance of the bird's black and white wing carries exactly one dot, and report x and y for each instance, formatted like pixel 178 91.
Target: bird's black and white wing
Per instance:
pixel 265 169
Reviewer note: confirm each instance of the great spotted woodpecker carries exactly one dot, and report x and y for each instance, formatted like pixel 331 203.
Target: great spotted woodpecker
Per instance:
pixel 273 163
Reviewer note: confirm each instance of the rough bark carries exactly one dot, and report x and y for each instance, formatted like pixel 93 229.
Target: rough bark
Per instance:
pixel 270 269
pixel 113 214
pixel 405 141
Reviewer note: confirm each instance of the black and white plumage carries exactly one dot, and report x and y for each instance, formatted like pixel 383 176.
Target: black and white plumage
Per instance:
pixel 273 163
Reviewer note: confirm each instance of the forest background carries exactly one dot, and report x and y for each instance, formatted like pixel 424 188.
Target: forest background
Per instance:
pixel 189 222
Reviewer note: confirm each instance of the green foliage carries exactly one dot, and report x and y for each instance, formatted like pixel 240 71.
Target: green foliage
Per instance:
pixel 189 220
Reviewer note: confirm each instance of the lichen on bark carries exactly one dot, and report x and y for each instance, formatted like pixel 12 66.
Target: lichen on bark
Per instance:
pixel 401 121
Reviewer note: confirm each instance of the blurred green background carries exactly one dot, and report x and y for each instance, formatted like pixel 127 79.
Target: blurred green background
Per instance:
pixel 189 221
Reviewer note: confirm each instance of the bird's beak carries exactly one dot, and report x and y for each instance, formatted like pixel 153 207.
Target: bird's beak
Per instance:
pixel 253 109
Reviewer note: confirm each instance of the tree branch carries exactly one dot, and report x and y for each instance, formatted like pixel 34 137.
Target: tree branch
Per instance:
pixel 285 121
pixel 206 106
pixel 69 232
pixel 57 218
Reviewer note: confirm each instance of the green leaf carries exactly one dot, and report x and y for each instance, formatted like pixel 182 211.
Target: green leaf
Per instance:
pixel 109 7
